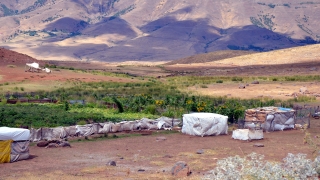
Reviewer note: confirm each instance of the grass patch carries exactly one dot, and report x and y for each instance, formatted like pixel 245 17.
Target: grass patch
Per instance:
pixel 11 66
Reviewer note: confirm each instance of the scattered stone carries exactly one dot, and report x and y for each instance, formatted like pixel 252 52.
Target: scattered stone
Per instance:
pixel 180 169
pixel 112 163
pixel 161 138
pixel 247 84
pixel 177 128
pixel 303 90
pixel 168 156
pixel 141 170
pixel 65 144
pixel 241 86
pixel 313 69
pixel 52 145
pixel 258 145
pixel 255 82
pixel 42 143
pixel 200 151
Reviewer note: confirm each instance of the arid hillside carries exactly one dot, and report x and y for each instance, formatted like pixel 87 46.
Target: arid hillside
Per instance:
pixel 158 30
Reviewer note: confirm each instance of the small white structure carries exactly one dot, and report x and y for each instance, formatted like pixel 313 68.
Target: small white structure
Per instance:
pixel 247 134
pixel 204 124
pixel 32 67
pixel 14 144
pixel 47 70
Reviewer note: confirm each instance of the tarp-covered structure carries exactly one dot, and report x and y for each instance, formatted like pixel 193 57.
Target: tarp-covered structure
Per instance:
pixel 205 124
pixel 14 144
pixel 270 118
pixel 102 128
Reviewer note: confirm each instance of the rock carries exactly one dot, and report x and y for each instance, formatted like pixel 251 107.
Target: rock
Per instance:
pixel 65 144
pixel 258 145
pixel 255 82
pixel 167 156
pixel 313 69
pixel 161 138
pixel 180 169
pixel 52 145
pixel 141 170
pixel 112 163
pixel 303 90
pixel 241 86
pixel 200 151
pixel 42 143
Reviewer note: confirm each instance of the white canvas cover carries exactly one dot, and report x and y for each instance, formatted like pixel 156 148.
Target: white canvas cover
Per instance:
pixel 34 65
pixel 204 124
pixel 247 134
pixel 15 134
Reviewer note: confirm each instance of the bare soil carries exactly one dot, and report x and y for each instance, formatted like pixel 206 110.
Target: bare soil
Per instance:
pixel 87 159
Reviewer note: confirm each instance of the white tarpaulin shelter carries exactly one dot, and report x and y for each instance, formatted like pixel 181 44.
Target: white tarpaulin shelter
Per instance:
pixel 204 124
pixel 14 144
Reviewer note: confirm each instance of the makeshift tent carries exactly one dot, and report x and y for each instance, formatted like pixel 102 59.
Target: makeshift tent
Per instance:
pixel 270 118
pixel 102 128
pixel 14 144
pixel 204 124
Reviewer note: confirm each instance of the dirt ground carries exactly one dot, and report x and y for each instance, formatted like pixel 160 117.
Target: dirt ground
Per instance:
pixel 87 159
pixel 143 157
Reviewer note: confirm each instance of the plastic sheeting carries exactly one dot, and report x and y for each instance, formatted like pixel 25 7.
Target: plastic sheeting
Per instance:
pixel 5 149
pixel 204 124
pixel 102 128
pixel 272 118
pixel 247 134
pixel 15 134
pixel 19 151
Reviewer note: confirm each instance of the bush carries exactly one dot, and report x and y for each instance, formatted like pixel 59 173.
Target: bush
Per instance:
pixel 151 109
pixel 219 81
pixel 253 166
pixel 236 79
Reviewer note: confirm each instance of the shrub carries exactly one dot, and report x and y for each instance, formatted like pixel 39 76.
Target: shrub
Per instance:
pixel 219 81
pixel 236 79
pixel 119 104
pixel 151 109
pixel 274 79
pixel 204 86
pixel 253 166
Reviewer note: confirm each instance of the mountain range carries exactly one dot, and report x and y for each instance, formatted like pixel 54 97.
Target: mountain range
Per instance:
pixel 153 30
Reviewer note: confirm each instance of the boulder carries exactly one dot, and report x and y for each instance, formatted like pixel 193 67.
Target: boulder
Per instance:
pixel 181 169
pixel 112 163
pixel 52 145
pixel 303 90
pixel 258 145
pixel 241 86
pixel 200 151
pixel 65 144
pixel 161 138
pixel 42 143
pixel 255 82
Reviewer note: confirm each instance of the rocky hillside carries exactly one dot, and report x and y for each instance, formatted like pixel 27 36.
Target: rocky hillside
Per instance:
pixel 145 30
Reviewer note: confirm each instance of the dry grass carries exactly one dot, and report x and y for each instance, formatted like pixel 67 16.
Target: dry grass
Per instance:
pixel 209 57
